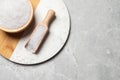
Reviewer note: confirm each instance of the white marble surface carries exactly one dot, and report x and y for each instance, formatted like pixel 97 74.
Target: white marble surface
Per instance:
pixel 92 51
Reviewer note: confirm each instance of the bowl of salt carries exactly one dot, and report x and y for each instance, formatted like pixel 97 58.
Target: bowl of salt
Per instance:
pixel 15 15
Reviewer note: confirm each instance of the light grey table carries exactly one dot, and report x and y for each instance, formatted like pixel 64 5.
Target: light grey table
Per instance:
pixel 91 53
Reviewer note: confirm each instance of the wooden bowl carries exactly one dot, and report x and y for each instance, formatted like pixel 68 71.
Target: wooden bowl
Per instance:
pixel 20 27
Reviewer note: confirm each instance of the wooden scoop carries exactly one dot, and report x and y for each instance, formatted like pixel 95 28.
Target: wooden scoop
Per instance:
pixel 39 33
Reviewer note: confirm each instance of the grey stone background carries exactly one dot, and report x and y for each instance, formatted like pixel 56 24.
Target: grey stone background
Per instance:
pixel 91 53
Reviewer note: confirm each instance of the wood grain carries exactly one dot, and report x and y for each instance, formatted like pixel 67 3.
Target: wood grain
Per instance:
pixel 8 42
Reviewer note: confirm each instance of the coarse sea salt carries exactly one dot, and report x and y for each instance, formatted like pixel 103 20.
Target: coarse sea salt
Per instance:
pixel 14 13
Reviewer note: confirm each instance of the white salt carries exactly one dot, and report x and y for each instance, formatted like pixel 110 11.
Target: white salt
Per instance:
pixel 14 13
pixel 36 39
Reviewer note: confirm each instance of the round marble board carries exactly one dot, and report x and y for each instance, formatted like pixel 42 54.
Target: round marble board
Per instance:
pixel 58 34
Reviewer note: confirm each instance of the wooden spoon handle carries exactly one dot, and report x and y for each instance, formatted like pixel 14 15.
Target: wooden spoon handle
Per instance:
pixel 49 17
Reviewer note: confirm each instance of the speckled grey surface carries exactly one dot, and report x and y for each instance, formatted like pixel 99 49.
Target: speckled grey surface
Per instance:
pixel 91 53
